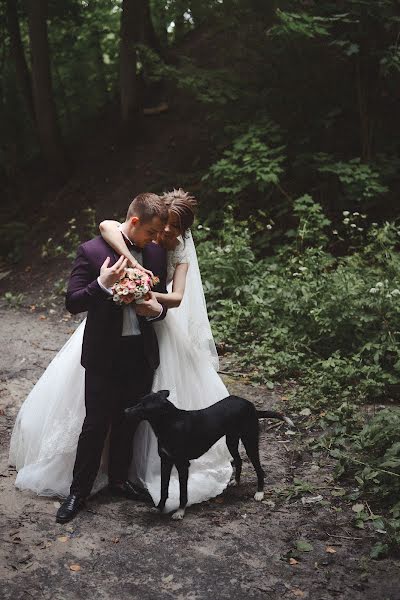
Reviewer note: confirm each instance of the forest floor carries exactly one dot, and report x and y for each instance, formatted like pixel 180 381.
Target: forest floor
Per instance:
pixel 230 547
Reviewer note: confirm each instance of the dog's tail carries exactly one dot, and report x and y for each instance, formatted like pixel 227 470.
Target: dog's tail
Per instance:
pixel 271 414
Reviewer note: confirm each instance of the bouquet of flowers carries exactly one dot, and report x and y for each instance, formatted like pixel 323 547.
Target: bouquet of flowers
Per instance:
pixel 134 285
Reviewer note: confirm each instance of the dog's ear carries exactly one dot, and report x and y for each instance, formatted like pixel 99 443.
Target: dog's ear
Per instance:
pixel 164 393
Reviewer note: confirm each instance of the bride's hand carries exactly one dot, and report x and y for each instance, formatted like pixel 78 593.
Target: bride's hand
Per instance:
pixel 136 265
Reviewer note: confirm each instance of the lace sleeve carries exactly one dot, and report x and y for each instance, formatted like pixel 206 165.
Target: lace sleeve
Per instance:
pixel 180 254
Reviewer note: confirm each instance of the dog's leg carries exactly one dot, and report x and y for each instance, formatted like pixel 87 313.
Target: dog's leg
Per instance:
pixel 183 472
pixel 232 441
pixel 250 442
pixel 166 468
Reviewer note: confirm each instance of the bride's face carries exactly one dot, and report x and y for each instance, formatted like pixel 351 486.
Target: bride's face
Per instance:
pixel 171 232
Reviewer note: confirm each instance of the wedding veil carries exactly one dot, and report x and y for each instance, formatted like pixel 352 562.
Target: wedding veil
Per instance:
pixel 192 313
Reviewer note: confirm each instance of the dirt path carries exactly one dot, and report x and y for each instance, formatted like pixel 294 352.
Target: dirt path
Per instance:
pixel 227 548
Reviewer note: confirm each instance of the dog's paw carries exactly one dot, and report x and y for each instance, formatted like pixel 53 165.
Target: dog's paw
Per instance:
pixel 156 511
pixel 179 514
pixel 258 496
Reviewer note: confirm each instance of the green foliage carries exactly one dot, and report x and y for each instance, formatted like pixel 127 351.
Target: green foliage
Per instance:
pixel 299 24
pixel 312 222
pixel 254 160
pixel 72 237
pixel 216 87
pixel 13 300
pixel 331 323
pixel 360 181
pixel 368 450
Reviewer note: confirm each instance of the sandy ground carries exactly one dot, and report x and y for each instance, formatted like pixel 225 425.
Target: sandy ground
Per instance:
pixel 227 548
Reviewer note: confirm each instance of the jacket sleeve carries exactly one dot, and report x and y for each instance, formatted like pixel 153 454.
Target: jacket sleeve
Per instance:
pixel 83 291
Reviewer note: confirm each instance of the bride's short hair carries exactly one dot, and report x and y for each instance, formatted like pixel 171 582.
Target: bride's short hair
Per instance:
pixel 146 206
pixel 183 205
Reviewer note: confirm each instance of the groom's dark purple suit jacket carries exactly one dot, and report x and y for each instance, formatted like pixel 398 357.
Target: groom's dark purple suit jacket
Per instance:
pixel 103 329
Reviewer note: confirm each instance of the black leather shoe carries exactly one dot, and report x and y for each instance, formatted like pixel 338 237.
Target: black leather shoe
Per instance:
pixel 69 508
pixel 129 490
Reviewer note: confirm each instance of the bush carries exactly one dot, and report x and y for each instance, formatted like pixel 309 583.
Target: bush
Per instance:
pixel 332 323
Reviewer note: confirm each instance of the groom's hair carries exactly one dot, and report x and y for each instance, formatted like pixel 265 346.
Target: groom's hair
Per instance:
pixel 147 206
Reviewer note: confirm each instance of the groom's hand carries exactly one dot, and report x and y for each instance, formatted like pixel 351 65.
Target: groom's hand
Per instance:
pixel 110 275
pixel 149 308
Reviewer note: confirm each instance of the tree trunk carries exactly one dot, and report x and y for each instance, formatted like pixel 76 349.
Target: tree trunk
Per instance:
pixel 18 55
pixel 132 33
pixel 45 109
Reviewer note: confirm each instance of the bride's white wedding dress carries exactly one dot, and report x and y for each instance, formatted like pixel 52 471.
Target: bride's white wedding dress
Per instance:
pixel 45 436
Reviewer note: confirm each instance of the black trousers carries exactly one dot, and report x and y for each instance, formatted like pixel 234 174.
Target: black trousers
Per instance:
pixel 106 397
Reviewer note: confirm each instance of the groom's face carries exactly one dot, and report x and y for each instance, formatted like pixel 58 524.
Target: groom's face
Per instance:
pixel 143 233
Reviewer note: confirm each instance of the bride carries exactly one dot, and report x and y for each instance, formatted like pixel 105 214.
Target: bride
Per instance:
pixel 45 436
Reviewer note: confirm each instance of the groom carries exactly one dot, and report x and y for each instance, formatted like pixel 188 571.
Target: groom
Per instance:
pixel 119 351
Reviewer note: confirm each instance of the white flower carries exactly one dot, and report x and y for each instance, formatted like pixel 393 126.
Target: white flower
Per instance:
pixel 334 231
pixel 346 213
pixel 363 216
pixel 353 225
pixel 360 229
pixel 374 224
pixel 199 226
pixel 379 284
pixel 346 221
pixel 296 274
pixel 269 226
pixel 395 292
pixel 373 291
pixel 356 214
pixel 302 268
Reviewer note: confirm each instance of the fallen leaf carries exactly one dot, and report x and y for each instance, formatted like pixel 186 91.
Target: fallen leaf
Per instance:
pixel 63 538
pixel 167 579
pixel 298 593
pixel 74 567
pixel 357 508
pixel 219 500
pixel 42 318
pixel 306 412
pixel 330 550
pixel 293 561
pixel 33 308
pixel 311 500
pixel 338 492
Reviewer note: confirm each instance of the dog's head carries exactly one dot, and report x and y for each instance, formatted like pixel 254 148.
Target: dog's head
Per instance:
pixel 153 405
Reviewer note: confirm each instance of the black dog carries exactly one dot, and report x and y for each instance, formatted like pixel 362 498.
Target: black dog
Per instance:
pixel 184 435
